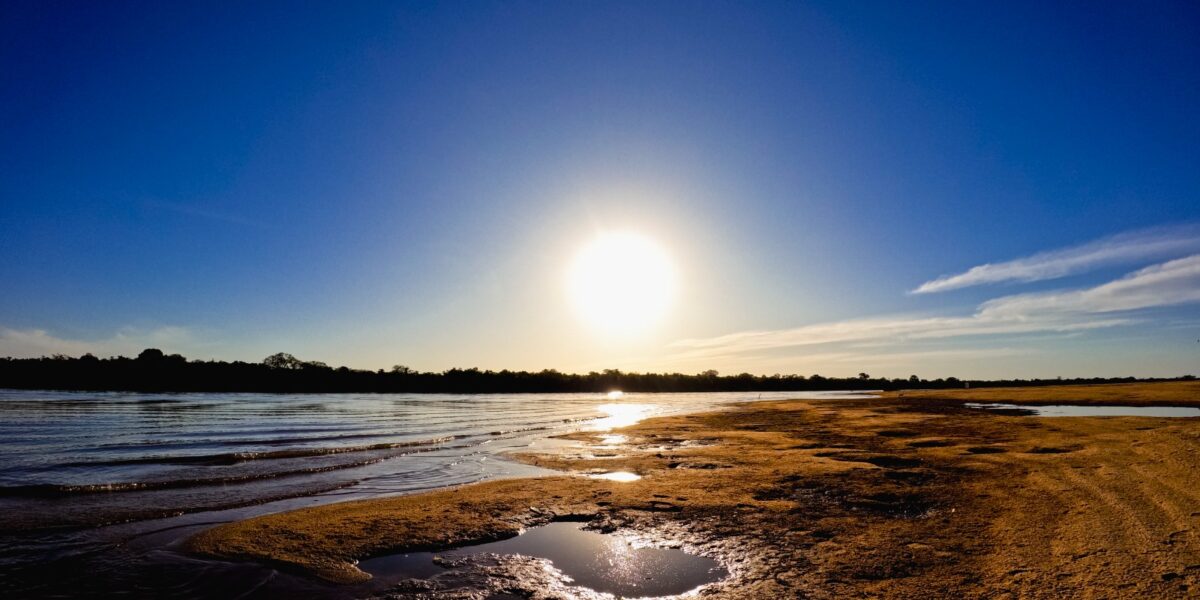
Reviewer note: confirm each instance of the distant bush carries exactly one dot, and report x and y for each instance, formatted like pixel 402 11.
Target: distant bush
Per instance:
pixel 155 371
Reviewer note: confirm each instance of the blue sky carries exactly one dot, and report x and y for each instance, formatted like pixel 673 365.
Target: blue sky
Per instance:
pixel 380 183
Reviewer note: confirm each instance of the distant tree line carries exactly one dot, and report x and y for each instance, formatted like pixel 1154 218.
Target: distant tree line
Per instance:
pixel 154 371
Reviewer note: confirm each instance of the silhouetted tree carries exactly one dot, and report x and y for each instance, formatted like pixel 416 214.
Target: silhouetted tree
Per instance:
pixel 282 360
pixel 158 372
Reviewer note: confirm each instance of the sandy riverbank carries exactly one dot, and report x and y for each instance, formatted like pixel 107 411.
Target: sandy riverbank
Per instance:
pixel 1174 393
pixel 900 497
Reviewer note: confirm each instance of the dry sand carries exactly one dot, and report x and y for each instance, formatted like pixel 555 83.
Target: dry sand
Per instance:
pixel 898 497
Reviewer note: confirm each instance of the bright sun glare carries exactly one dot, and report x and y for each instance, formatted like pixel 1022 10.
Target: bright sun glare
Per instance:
pixel 622 282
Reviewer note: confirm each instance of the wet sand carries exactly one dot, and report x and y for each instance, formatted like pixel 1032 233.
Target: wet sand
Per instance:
pixel 910 496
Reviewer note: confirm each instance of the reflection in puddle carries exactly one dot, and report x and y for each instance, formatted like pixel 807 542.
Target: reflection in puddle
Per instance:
pixel 605 563
pixel 1068 410
pixel 621 415
pixel 621 476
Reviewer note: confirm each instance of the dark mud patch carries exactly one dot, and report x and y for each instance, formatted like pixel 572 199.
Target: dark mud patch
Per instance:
pixel 661 506
pixel 986 450
pixel 915 477
pixel 886 461
pixel 930 443
pixel 897 433
pixel 1053 449
pixel 829 497
pixel 891 462
pixel 809 446
pixel 907 505
pixel 684 464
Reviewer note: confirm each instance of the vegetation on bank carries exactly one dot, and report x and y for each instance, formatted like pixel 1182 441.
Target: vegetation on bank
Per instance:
pixel 154 371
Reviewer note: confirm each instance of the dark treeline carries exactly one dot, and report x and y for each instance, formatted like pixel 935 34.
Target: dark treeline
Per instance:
pixel 154 371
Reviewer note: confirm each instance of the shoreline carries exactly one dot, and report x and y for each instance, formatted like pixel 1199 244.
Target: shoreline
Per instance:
pixel 900 496
pixel 1176 393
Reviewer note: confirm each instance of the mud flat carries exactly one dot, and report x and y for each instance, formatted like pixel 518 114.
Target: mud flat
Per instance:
pixel 905 496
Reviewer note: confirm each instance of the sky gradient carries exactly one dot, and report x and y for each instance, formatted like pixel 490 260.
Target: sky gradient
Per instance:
pixel 942 189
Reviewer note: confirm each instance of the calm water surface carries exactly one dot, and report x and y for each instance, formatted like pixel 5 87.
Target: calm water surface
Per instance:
pixel 606 563
pixel 97 490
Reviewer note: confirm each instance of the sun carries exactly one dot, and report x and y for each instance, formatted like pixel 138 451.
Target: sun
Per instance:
pixel 621 282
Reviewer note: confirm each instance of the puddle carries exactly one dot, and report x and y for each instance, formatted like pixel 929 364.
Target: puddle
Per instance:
pixel 613 439
pixel 621 476
pixel 605 563
pixel 1070 410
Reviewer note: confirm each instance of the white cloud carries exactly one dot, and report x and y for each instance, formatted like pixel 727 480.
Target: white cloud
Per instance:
pixel 1116 250
pixel 1168 284
pixel 1111 304
pixel 128 341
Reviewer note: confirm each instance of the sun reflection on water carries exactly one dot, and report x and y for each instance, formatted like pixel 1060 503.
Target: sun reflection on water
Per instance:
pixel 621 415
pixel 611 565
pixel 619 554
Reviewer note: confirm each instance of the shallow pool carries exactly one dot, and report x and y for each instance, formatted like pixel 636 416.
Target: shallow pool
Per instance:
pixel 605 563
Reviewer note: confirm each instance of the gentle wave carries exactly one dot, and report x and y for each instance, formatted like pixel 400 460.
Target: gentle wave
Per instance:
pixel 232 458
pixel 57 490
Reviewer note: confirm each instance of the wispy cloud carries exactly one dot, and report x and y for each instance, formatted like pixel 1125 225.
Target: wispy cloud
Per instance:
pixel 893 329
pixel 128 341
pixel 858 358
pixel 1111 304
pixel 1125 248
pixel 845 362
pixel 1168 284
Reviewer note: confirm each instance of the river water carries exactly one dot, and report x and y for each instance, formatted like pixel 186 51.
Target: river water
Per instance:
pixel 98 490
